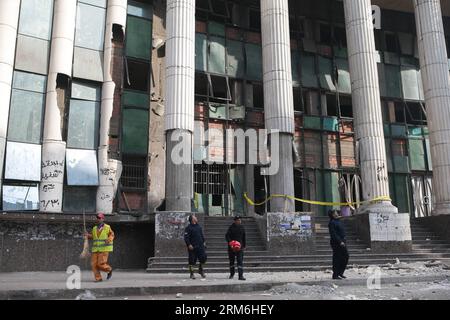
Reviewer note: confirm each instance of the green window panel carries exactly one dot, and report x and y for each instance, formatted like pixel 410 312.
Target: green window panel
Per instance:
pixel 326 74
pixel 381 80
pixel 253 54
pixel 311 122
pixel 201 47
pixel 77 199
pixel 386 130
pixel 83 124
pixel 392 81
pixel 387 145
pixel 344 82
pixel 217 111
pixel 135 131
pixel 235 59
pixel 295 61
pixel 86 91
pixel 332 188
pixel 216 58
pixel 409 61
pixel 216 28
pixel 398 130
pixel 415 132
pixel 139 10
pixel 136 99
pixel 139 38
pixel 401 192
pixel 417 154
pixel 410 83
pixel 391 58
pixel 330 124
pixel 25 116
pixel 340 52
pixel 406 43
pixel 401 164
pixel 308 71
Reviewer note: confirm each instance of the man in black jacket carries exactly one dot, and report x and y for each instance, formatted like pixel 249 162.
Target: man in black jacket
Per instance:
pixel 337 241
pixel 236 232
pixel 195 242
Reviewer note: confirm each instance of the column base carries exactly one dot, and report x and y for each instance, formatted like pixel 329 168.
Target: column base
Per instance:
pixel 169 232
pixel 378 207
pixel 290 233
pixel 441 209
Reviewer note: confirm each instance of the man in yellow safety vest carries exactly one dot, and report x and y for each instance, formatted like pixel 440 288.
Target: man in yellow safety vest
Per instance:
pixel 102 237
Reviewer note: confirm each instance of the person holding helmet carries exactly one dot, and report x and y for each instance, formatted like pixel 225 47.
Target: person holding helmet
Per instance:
pixel 102 244
pixel 235 237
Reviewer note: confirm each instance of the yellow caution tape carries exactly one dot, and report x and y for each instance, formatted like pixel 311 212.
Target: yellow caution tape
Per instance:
pixel 319 203
pixel 196 200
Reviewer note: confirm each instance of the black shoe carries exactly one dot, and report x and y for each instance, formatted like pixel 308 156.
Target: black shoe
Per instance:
pixel 231 276
pixel 192 276
pixel 202 274
pixel 242 278
pixel 336 278
pixel 109 275
pixel 342 276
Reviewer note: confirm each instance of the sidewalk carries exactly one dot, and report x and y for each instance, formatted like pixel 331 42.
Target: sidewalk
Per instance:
pixel 52 285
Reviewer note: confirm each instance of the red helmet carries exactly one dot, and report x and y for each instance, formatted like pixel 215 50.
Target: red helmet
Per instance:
pixel 235 245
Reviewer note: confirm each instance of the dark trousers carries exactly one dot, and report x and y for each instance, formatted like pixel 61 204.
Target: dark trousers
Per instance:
pixel 340 259
pixel 239 256
pixel 197 253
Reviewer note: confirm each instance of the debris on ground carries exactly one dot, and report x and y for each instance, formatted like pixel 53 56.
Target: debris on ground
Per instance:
pixel 87 295
pixel 179 295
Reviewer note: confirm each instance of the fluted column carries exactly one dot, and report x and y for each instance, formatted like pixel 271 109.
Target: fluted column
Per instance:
pixel 109 169
pixel 278 99
pixel 53 147
pixel 436 85
pixel 366 104
pixel 179 115
pixel 9 18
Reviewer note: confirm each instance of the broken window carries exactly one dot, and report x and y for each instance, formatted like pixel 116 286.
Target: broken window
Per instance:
pixel 137 75
pixel 308 71
pixel 258 95
pixel 298 97
pixel 255 19
pixel 406 43
pixel 134 172
pixel 295 62
pixel 201 47
pixel 326 74
pixel 415 113
pixel 332 109
pixel 343 76
pixel 340 37
pixel 216 56
pixel 235 59
pixel 220 88
pixel 399 112
pixel 410 82
pixel 392 81
pixel 392 43
pixel 345 106
pixel 201 85
pixel 324 33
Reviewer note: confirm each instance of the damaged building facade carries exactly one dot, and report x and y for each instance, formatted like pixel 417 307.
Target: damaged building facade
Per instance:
pixel 93 91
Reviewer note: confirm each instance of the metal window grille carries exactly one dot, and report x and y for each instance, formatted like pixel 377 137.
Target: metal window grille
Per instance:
pixel 209 179
pixel 134 172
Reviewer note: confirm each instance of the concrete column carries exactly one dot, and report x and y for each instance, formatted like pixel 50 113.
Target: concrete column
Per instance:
pixel 279 102
pixel 179 116
pixel 367 105
pixel 109 169
pixel 9 19
pixel 54 148
pixel 436 84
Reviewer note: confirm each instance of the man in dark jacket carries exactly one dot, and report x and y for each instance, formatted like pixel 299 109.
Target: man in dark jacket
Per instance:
pixel 337 241
pixel 236 232
pixel 195 242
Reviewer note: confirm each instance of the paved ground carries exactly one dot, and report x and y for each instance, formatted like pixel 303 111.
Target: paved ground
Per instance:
pixel 53 285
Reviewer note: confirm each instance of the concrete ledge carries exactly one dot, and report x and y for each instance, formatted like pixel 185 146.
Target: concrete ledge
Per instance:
pixel 44 294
